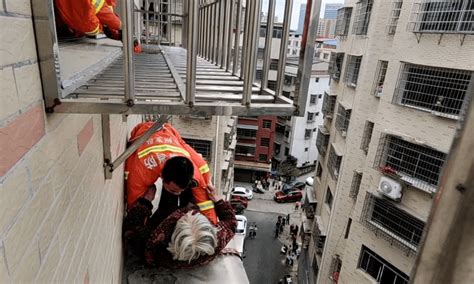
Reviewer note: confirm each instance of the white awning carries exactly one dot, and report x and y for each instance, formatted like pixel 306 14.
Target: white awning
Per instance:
pixel 247 126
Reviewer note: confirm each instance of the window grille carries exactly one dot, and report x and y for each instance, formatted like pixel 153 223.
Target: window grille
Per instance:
pixel 439 90
pixel 319 239
pixel 267 123
pixel 416 164
pixel 271 84
pixel 343 21
pixel 394 16
pixel 313 99
pixel 246 133
pixel 355 186
pixel 319 170
pixel 442 16
pixel 322 141
pixel 367 136
pixel 310 117
pixel 308 133
pixel 361 23
pixel 343 118
pixel 329 102
pixel 377 89
pixel 329 198
pixel 391 223
pixel 274 64
pixel 380 269
pixel 334 163
pixel 352 70
pixel 245 150
pixel 265 142
pixel 335 65
pixel 336 265
pixel 276 148
pixel 203 147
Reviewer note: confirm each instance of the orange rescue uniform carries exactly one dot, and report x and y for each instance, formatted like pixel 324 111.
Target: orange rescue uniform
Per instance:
pixel 145 165
pixel 89 16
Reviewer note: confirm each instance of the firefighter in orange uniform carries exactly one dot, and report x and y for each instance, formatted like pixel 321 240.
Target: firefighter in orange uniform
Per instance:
pixel 148 163
pixel 90 17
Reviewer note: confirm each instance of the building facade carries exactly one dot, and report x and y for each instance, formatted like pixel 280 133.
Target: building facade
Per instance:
pixel 301 18
pixel 326 28
pixel 389 120
pixel 330 10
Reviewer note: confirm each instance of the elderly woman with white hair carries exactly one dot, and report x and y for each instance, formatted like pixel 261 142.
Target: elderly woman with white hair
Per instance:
pixel 187 238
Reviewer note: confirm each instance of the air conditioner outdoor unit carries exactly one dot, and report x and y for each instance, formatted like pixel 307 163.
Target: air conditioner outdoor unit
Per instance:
pixel 390 188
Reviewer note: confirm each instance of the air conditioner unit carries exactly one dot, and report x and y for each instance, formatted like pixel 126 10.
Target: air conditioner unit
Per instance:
pixel 343 133
pixel 390 188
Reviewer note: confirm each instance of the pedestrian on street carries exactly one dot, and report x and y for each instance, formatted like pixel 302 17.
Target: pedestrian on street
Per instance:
pixel 282 226
pixel 288 219
pixel 277 231
pixel 292 228
pixel 255 229
pixel 297 205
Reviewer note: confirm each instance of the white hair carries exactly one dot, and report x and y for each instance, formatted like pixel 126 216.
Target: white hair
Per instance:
pixel 193 237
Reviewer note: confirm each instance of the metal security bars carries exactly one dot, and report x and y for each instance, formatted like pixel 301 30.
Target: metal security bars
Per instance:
pixel 417 165
pixel 343 21
pixel 392 223
pixel 322 141
pixel 343 119
pixel 335 65
pixel 329 102
pixel 441 91
pixel 394 16
pixel 362 18
pixel 352 70
pixel 203 147
pixel 442 16
pixel 355 185
pixel 377 88
pixel 334 162
pixel 367 136
pixel 380 269
pixel 319 239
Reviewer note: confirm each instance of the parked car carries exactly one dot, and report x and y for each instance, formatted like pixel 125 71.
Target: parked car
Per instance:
pixel 309 181
pixel 240 200
pixel 291 196
pixel 293 185
pixel 241 225
pixel 242 191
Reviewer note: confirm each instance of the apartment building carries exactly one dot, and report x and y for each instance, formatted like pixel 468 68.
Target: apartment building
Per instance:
pixel 401 76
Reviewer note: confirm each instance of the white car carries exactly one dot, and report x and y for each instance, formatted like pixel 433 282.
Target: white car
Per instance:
pixel 241 225
pixel 310 181
pixel 242 191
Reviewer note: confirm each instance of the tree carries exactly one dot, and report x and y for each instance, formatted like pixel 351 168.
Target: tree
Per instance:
pixel 288 168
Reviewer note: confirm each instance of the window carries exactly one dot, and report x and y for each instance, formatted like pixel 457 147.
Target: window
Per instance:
pixel 329 103
pixel 203 147
pixel 316 80
pixel 272 84
pixel 355 186
pixel 325 55
pixel 319 239
pixel 352 70
pixel 276 148
pixel 361 22
pixel 380 269
pixel 343 118
pixel 263 31
pixel 308 133
pixel 394 16
pixel 319 170
pixel 246 133
pixel 306 149
pixel 267 123
pixel 277 33
pixel 265 142
pixel 417 164
pixel 348 228
pixel 441 91
pixel 263 158
pixel 288 80
pixel 287 151
pixel 245 150
pixel 334 162
pixel 328 199
pixel 322 140
pixel 367 136
pixel 274 64
pixel 287 133
pixel 320 96
pixel 313 99
pixel 442 16
pixel 392 223
pixel 286 94
pixel 310 117
pixel 343 21
pixel 377 89
pixel 335 65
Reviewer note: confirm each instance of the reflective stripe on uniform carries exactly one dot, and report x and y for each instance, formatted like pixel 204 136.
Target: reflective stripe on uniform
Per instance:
pixel 98 5
pixel 204 169
pixel 206 205
pixel 95 31
pixel 162 148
